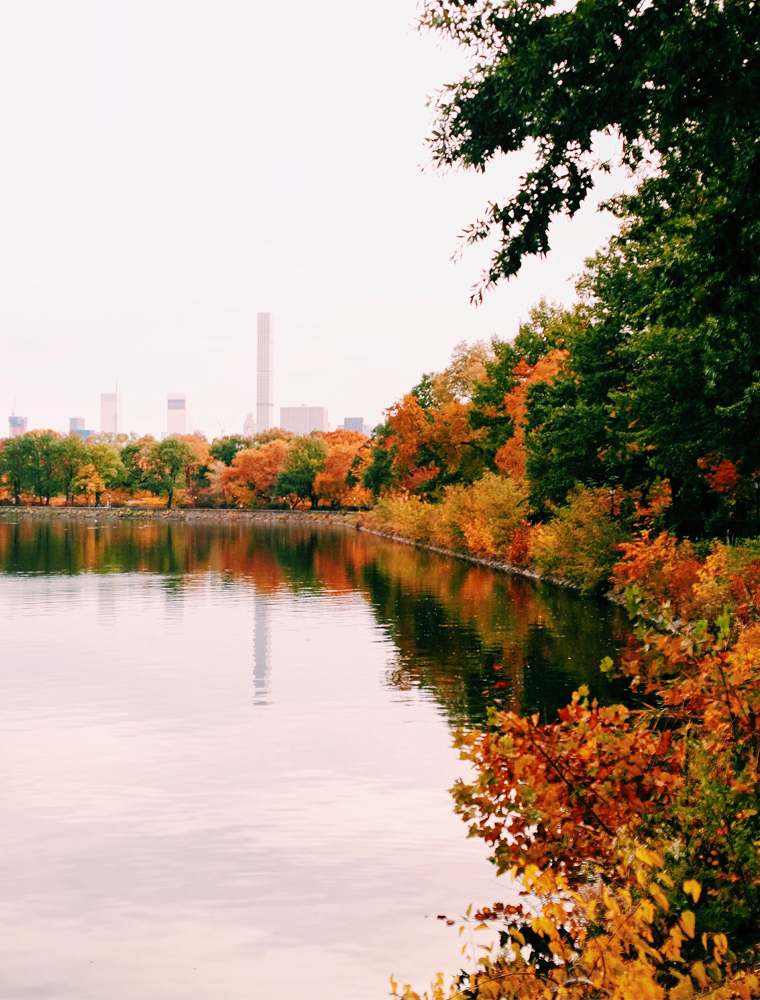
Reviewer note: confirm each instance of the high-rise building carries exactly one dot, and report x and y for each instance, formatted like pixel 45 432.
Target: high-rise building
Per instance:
pixel 303 419
pixel 16 426
pixel 265 372
pixel 76 426
pixel 249 426
pixel 354 424
pixel 110 412
pixel 176 413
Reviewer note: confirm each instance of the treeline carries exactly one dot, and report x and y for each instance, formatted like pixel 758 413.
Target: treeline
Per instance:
pixel 44 467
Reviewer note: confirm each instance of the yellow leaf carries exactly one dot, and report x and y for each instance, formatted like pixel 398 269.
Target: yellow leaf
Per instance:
pixel 699 973
pixel 660 898
pixel 693 888
pixel 684 990
pixel 482 927
pixel 651 858
pixel 688 922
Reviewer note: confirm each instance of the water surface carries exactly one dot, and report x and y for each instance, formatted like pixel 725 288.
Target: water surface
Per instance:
pixel 226 752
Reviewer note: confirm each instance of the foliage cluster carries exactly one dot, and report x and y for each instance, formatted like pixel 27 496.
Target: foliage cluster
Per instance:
pixel 633 831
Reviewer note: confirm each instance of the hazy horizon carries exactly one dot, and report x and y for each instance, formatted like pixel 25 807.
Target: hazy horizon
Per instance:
pixel 173 169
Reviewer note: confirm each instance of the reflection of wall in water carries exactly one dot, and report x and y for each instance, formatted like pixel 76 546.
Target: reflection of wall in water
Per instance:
pixel 262 651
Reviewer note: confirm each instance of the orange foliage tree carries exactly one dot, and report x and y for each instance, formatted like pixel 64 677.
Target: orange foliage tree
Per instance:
pixel 510 458
pixel 253 474
pixel 342 448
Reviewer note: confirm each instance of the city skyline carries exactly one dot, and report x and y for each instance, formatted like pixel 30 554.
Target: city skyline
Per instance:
pixel 159 285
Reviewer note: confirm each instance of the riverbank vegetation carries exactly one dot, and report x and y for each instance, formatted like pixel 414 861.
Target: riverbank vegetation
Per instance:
pixel 626 427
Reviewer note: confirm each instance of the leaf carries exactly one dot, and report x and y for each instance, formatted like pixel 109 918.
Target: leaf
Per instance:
pixel 687 923
pixel 700 974
pixel 684 990
pixel 693 888
pixel 659 896
pixel 651 858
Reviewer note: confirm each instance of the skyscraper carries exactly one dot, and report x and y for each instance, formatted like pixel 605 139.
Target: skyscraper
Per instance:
pixel 303 419
pixel 249 426
pixel 16 426
pixel 176 410
pixel 76 426
pixel 110 412
pixel 265 372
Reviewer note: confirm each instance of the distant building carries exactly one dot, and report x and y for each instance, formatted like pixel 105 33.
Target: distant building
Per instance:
pixel 354 424
pixel 110 412
pixel 249 426
pixel 17 426
pixel 303 419
pixel 76 426
pixel 265 372
pixel 176 414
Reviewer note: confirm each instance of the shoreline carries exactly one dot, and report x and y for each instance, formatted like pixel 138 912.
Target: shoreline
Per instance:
pixel 348 519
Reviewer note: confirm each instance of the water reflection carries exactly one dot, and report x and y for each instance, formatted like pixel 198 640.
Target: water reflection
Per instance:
pixel 226 750
pixel 262 651
pixel 467 635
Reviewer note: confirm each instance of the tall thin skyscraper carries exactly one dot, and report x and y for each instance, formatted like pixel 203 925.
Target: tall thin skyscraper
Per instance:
pixel 110 412
pixel 265 372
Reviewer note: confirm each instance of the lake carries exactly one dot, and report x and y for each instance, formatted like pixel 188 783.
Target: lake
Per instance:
pixel 227 747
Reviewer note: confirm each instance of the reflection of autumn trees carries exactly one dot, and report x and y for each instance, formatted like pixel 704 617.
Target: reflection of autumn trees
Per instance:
pixel 468 635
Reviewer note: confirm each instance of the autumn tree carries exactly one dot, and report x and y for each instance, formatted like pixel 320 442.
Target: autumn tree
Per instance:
pixel 102 469
pixel 252 476
pixel 330 482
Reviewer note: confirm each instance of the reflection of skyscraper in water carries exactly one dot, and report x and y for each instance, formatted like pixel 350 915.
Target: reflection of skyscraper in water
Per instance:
pixel 262 651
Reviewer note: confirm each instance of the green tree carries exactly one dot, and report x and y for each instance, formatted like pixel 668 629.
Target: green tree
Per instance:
pixel 675 81
pixel 166 462
pixel 69 457
pixel 305 460
pixel 40 448
pixel 224 449
pixel 13 465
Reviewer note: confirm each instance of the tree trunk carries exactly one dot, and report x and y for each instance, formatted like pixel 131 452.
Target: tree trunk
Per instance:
pixel 169 504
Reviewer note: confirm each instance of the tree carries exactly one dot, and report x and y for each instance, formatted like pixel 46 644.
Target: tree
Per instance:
pixel 467 368
pixel 675 81
pixel 13 463
pixel 134 457
pixel 225 448
pixel 305 459
pixel 330 483
pixel 661 381
pixel 166 462
pixel 102 469
pixel 252 477
pixel 69 457
pixel 40 449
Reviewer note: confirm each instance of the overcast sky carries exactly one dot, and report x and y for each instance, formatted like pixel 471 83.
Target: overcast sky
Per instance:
pixel 172 167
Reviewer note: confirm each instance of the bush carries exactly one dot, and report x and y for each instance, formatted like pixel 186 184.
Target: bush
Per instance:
pixel 581 542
